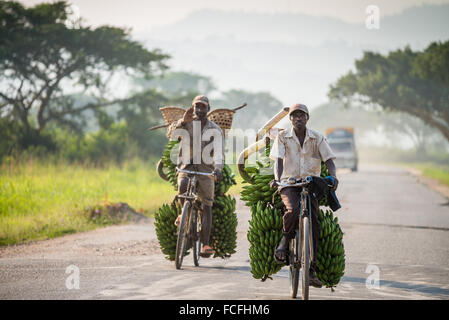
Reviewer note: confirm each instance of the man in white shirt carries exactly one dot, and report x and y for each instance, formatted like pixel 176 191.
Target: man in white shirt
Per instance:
pixel 298 153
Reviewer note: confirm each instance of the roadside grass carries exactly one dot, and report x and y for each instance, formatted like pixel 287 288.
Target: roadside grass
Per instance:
pixel 431 170
pixel 236 189
pixel 40 200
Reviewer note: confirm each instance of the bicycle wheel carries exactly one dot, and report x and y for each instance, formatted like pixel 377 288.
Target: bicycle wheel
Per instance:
pixel 294 265
pixel 195 235
pixel 305 262
pixel 311 253
pixel 182 235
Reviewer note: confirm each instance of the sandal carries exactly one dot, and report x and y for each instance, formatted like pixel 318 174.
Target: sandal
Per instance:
pixel 277 258
pixel 206 252
pixel 281 253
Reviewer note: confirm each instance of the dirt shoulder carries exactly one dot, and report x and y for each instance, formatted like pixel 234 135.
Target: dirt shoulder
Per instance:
pixel 120 240
pixel 431 183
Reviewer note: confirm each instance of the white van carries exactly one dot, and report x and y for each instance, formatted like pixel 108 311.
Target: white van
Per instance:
pixel 342 143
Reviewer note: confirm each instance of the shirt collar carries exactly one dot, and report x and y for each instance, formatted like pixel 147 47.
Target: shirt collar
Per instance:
pixel 291 134
pixel 208 125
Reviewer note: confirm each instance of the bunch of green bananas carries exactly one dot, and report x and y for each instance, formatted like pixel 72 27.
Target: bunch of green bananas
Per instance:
pixel 260 190
pixel 168 166
pixel 264 234
pixel 166 231
pixel 330 261
pixel 226 182
pixel 223 236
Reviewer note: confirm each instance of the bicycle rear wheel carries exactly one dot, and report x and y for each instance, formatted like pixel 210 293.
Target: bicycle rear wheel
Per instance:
pixel 294 265
pixel 195 235
pixel 181 244
pixel 305 262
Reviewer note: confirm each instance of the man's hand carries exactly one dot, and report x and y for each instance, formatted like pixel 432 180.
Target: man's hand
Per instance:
pixel 218 175
pixel 188 116
pixel 273 184
pixel 335 183
pixel 334 180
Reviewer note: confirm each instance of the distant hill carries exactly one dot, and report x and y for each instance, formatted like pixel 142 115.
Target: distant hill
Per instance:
pixel 294 56
pixel 416 25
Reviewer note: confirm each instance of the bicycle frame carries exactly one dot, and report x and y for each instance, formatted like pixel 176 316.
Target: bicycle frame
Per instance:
pixel 305 212
pixel 190 193
pixel 189 231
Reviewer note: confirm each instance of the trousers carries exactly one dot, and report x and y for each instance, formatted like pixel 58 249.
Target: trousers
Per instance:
pixel 291 197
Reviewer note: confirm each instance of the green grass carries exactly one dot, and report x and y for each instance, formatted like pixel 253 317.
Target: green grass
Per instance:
pixel 431 170
pixel 236 189
pixel 40 201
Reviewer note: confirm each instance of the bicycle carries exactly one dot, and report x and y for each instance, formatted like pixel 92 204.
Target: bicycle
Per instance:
pixel 300 254
pixel 190 225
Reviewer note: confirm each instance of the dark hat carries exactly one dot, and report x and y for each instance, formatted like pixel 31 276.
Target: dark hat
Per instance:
pixel 201 99
pixel 298 106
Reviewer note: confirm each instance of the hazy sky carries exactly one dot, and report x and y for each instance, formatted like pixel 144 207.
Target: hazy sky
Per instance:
pixel 144 14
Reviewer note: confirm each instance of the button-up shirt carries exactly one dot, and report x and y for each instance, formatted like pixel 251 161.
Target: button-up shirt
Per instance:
pixel 300 162
pixel 202 154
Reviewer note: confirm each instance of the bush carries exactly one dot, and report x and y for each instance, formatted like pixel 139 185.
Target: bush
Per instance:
pixel 103 146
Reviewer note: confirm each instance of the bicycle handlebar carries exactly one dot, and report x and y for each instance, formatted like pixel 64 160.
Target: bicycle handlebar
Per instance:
pixel 292 182
pixel 296 182
pixel 210 174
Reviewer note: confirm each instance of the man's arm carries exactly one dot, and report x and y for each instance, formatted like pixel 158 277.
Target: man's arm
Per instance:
pixel 330 165
pixel 277 155
pixel 279 168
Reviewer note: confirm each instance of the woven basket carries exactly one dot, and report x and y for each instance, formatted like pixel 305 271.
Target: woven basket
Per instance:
pixel 171 114
pixel 222 117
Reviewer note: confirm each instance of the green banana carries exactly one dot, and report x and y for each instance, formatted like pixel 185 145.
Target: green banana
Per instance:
pixel 330 254
pixel 263 235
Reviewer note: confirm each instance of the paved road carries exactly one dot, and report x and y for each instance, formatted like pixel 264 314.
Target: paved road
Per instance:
pixel 393 225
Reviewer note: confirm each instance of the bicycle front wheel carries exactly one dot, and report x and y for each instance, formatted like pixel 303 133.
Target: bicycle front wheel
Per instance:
pixel 294 264
pixel 196 243
pixel 181 244
pixel 305 262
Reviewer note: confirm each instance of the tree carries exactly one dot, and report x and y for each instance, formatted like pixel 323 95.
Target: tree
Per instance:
pixel 180 83
pixel 179 87
pixel 401 124
pixel 433 63
pixel 412 82
pixel 44 60
pixel 140 113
